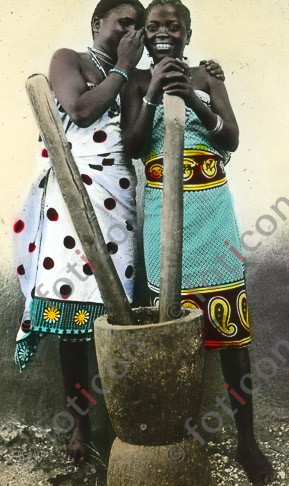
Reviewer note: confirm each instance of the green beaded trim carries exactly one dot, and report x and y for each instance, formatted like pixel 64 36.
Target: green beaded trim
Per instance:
pixel 64 318
pixel 25 349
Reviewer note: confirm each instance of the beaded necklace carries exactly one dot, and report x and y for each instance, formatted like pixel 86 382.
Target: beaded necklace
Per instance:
pixel 102 55
pixel 95 61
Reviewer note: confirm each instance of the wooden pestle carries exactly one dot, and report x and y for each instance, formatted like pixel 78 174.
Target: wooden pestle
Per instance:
pixel 172 209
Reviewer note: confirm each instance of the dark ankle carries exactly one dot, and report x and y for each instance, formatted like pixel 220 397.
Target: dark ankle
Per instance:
pixel 256 465
pixel 78 440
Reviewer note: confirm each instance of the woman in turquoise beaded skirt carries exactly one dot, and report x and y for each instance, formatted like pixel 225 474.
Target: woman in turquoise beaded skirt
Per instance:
pixel 212 264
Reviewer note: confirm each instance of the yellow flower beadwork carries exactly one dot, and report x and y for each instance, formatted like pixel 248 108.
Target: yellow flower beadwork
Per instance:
pixel 81 317
pixel 51 314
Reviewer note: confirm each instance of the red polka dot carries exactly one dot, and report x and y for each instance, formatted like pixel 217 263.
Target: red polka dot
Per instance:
pixel 99 136
pixel 87 269
pixel 124 183
pixel 44 153
pixel 109 203
pixel 112 247
pixel 31 247
pixel 69 242
pixel 86 179
pixel 19 226
pixel 129 271
pixel 52 214
pixel 21 270
pixel 65 291
pixel 48 263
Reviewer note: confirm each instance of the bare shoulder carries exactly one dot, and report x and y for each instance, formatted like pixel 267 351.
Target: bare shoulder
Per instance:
pixel 66 55
pixel 67 62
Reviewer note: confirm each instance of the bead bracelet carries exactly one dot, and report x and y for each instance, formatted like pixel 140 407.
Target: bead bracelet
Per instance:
pixel 119 71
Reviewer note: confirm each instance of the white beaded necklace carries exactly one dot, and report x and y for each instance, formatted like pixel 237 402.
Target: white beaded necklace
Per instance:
pixel 102 55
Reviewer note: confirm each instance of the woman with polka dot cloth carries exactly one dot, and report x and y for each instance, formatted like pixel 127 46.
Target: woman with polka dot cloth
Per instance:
pixel 62 297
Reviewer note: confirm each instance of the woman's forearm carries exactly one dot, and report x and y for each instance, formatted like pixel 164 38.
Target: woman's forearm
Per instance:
pixel 92 104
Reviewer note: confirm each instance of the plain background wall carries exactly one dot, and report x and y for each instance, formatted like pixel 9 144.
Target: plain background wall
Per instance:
pixel 251 41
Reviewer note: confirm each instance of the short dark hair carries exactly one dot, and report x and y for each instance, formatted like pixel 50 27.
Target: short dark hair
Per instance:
pixel 104 7
pixel 185 13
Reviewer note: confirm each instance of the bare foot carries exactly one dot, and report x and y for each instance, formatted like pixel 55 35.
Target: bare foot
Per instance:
pixel 256 465
pixel 77 440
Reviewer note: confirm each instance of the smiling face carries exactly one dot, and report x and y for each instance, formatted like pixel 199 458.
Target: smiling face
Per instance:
pixel 166 32
pixel 118 22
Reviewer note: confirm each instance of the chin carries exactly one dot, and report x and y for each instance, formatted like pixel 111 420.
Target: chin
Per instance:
pixel 161 55
pixel 158 56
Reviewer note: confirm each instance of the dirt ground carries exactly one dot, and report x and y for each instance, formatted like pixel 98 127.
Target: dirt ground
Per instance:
pixel 29 459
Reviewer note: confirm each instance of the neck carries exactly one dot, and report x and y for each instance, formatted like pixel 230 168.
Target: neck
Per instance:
pixel 105 51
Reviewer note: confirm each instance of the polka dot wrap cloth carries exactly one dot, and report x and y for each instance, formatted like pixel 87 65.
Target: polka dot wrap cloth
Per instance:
pixel 62 296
